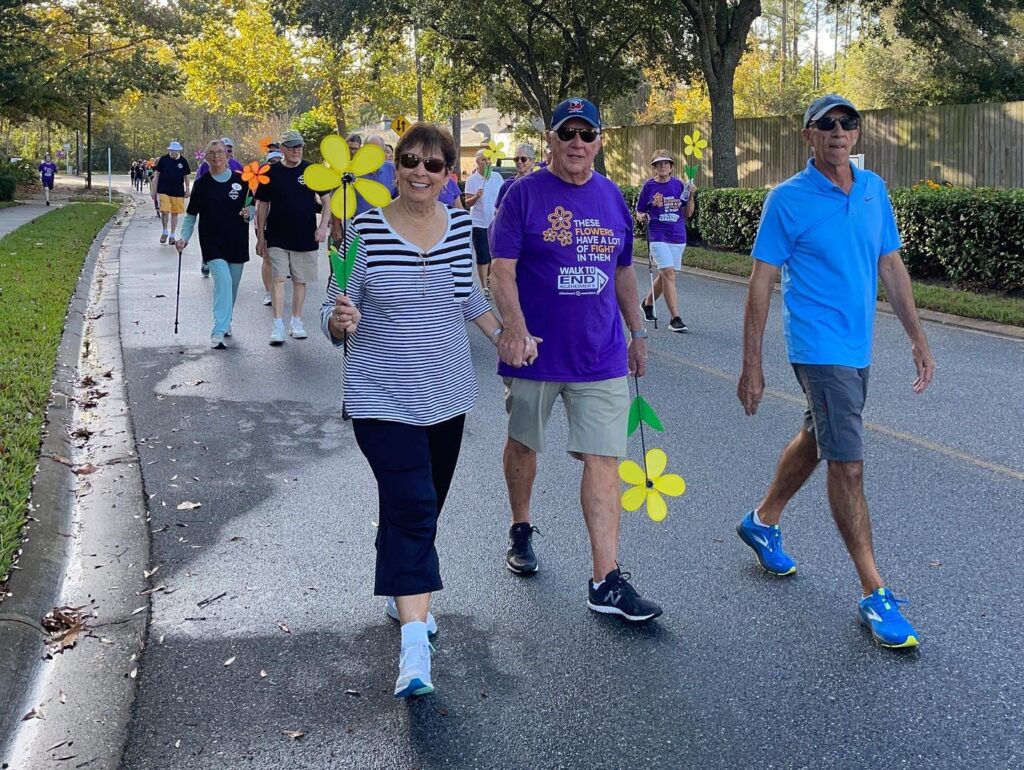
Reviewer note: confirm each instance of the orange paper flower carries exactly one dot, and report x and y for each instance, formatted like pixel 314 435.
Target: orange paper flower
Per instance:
pixel 255 175
pixel 265 145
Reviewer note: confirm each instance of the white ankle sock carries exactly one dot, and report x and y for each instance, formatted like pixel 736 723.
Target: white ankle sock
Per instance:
pixel 598 584
pixel 296 318
pixel 757 519
pixel 413 633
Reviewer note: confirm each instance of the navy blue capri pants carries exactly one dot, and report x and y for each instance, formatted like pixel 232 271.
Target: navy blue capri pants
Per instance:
pixel 413 465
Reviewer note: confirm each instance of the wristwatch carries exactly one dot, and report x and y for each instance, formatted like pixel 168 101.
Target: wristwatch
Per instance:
pixel 639 334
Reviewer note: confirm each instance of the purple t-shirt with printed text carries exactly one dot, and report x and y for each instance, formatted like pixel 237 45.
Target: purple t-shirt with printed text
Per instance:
pixel 47 170
pixel 568 241
pixel 665 202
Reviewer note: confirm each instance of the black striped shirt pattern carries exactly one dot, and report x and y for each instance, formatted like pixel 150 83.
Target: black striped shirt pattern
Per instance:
pixel 409 359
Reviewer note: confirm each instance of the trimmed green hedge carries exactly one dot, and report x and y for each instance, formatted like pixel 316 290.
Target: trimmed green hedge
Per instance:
pixel 8 184
pixel 971 237
pixel 728 218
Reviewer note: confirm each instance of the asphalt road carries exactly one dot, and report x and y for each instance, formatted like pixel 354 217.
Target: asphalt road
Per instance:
pixel 743 670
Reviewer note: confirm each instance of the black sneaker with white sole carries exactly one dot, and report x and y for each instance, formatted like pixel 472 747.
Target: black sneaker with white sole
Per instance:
pixel 616 596
pixel 677 325
pixel 648 311
pixel 520 558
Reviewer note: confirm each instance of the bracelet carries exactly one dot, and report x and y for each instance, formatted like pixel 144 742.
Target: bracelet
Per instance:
pixel 496 333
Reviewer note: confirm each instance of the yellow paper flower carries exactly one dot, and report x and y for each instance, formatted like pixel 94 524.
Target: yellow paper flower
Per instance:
pixel 694 144
pixel 493 151
pixel 340 166
pixel 650 486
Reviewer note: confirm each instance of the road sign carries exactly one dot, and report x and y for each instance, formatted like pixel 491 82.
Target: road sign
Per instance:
pixel 400 125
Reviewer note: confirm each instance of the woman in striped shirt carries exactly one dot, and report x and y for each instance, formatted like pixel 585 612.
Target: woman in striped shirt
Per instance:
pixel 409 378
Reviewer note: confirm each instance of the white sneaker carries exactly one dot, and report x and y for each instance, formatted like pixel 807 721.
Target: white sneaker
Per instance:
pixel 277 336
pixel 217 341
pixel 414 671
pixel 392 610
pixel 296 329
pixel 228 332
pixel 267 299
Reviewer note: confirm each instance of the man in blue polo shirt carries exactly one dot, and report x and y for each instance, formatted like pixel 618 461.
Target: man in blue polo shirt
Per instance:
pixel 830 230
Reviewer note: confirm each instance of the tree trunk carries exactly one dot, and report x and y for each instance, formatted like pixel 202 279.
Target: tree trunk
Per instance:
pixel 457 134
pixel 723 135
pixel 782 40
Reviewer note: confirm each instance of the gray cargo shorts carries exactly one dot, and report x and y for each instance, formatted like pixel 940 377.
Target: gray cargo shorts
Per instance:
pixel 835 401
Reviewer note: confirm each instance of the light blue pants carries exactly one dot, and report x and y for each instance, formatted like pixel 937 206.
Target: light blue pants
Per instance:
pixel 226 278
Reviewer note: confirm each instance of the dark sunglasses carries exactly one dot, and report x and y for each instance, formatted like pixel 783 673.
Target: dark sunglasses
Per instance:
pixel 588 135
pixel 522 159
pixel 433 165
pixel 827 124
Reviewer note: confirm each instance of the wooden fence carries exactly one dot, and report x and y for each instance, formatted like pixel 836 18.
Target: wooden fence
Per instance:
pixel 973 145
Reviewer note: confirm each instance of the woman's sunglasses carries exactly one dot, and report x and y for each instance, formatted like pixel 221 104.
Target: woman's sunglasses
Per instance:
pixel 827 124
pixel 521 159
pixel 588 135
pixel 433 165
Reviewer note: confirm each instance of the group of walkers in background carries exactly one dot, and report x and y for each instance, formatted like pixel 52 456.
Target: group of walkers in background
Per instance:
pixel 553 249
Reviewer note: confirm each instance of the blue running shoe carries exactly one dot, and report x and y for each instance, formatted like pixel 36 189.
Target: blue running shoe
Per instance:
pixel 880 612
pixel 767 545
pixel 414 671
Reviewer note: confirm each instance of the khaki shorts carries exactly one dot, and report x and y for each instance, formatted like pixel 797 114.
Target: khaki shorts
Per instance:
pixel 171 205
pixel 597 413
pixel 300 265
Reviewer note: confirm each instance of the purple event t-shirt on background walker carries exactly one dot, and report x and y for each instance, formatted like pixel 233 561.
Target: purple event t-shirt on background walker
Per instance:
pixel 666 204
pixel 568 240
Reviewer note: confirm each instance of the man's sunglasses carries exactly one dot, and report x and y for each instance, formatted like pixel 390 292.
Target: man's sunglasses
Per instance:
pixel 827 124
pixel 523 159
pixel 588 135
pixel 433 165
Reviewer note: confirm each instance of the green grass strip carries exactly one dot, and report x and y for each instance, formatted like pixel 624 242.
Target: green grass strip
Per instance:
pixel 39 267
pixel 967 304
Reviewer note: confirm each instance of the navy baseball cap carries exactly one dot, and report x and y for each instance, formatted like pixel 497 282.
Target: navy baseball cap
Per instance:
pixel 823 104
pixel 575 107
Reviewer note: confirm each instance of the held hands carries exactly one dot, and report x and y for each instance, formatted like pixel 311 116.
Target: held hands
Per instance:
pixel 344 318
pixel 321 235
pixel 750 389
pixel 642 216
pixel 517 347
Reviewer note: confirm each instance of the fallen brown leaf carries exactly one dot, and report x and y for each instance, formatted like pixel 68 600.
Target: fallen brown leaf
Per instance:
pixel 33 714
pixel 188 505
pixel 284 627
pixel 293 734
pixel 84 469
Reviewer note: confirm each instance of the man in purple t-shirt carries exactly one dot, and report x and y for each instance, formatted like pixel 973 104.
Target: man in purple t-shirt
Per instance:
pixel 563 273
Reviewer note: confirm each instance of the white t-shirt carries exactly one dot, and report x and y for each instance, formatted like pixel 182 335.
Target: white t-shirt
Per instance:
pixel 482 212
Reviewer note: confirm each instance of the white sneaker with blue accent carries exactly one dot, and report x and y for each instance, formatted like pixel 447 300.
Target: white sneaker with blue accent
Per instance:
pixel 392 610
pixel 414 671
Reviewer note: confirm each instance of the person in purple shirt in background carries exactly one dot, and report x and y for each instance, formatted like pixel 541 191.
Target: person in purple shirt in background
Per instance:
pixel 233 164
pixel 47 173
pixel 451 195
pixel 665 204
pixel 564 282
pixel 524 165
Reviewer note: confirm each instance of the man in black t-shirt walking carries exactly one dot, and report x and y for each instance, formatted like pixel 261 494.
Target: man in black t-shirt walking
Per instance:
pixel 288 234
pixel 171 178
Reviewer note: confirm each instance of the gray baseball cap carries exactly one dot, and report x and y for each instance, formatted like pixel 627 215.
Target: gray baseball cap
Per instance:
pixel 291 138
pixel 823 104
